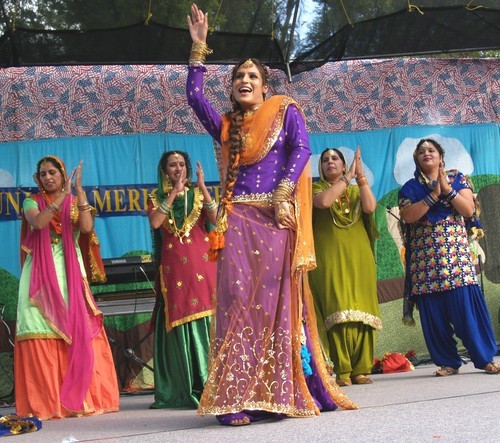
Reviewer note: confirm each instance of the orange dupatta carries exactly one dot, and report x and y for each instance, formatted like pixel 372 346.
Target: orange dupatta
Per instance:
pixel 262 132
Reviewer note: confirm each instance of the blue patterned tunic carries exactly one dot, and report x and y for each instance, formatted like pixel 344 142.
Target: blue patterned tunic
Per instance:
pixel 438 247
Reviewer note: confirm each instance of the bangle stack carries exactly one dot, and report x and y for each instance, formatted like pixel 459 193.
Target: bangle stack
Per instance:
pixel 84 207
pixel 53 208
pixel 361 180
pixel 345 180
pixel 210 206
pixel 283 191
pixel 430 200
pixel 199 52
pixel 165 208
pixel 452 195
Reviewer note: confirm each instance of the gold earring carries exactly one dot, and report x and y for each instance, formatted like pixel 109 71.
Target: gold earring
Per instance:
pixel 167 184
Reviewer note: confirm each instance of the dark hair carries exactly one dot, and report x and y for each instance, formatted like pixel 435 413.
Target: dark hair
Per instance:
pixel 434 142
pixel 54 161
pixel 235 122
pixel 333 149
pixel 164 161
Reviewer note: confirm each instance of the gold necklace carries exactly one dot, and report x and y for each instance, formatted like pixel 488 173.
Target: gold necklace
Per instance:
pixel 345 222
pixel 189 221
pixel 252 111
pixel 246 128
pixel 340 202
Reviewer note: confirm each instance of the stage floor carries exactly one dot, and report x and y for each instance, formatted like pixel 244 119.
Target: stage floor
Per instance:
pixel 411 406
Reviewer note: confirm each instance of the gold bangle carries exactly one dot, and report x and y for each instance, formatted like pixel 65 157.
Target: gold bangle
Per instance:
pixel 283 191
pixel 199 52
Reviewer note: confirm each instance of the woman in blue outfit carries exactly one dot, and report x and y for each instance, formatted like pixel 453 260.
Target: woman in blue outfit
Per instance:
pixel 436 206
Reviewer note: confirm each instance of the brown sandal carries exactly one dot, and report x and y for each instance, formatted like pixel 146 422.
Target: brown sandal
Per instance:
pixel 444 371
pixel 344 382
pixel 492 368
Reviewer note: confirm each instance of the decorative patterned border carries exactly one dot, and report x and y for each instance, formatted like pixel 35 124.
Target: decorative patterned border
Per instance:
pixel 67 101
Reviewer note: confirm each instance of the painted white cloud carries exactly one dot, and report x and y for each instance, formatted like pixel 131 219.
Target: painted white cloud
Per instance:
pixel 6 179
pixel 349 157
pixel 455 157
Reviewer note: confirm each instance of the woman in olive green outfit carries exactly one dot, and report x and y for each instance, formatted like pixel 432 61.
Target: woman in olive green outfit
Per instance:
pixel 180 215
pixel 344 284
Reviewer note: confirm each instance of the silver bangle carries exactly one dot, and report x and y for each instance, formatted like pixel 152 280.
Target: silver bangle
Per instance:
pixel 165 207
pixel 210 206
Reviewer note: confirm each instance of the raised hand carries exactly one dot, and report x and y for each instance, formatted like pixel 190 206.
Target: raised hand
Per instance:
pixel 78 176
pixel 76 172
pixel 443 186
pixel 198 24
pixel 352 170
pixel 200 176
pixel 359 162
pixel 180 182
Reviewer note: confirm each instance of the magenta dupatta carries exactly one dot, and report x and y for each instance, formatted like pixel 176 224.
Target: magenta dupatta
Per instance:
pixel 76 323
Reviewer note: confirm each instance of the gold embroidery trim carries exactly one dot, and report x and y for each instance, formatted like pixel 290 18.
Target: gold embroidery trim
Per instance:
pixel 265 197
pixel 278 126
pixel 189 318
pixel 38 335
pixel 353 315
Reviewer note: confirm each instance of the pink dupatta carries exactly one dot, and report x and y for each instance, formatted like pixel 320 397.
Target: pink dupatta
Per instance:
pixel 76 323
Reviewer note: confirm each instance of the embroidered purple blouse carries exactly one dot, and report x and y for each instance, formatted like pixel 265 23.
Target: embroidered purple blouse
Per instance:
pixel 285 160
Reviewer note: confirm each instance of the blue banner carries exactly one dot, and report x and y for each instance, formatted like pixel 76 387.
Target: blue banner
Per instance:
pixel 119 172
pixel 109 201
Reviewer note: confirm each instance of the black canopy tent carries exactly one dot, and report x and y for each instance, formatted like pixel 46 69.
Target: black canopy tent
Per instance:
pixel 293 35
pixel 408 32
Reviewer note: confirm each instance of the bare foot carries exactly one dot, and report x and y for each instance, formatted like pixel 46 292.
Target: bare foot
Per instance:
pixel 362 380
pixel 492 368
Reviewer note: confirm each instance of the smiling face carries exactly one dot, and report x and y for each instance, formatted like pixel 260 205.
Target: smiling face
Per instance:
pixel 428 157
pixel 175 167
pixel 50 177
pixel 332 165
pixel 249 86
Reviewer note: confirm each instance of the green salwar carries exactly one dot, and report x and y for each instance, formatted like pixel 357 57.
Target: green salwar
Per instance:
pixel 351 349
pixel 180 362
pixel 344 286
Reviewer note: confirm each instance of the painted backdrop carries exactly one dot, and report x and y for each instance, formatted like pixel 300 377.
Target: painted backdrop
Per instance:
pixel 120 119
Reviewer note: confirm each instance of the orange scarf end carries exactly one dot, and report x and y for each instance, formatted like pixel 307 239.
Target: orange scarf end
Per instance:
pixel 217 242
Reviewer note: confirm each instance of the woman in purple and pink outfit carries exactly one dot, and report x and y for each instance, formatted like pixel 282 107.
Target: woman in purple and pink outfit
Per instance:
pixel 265 356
